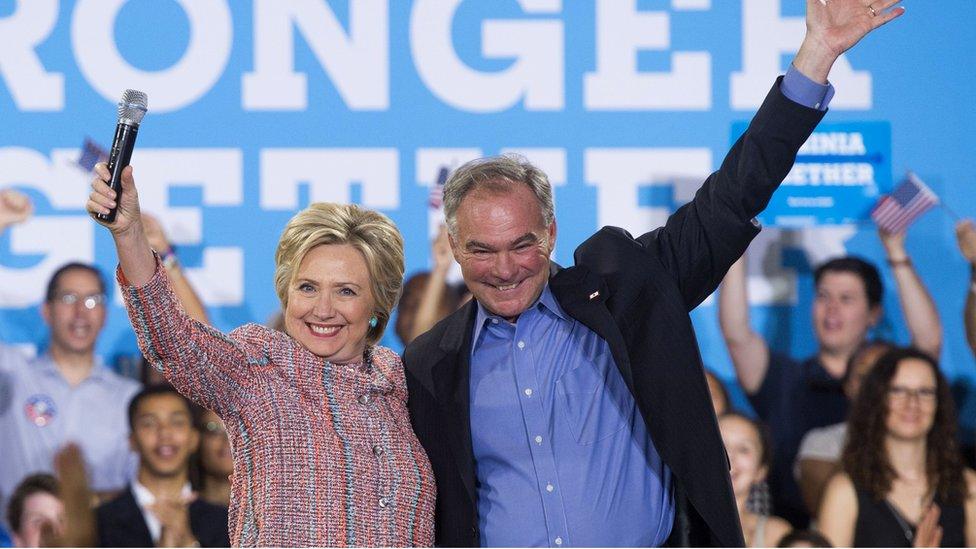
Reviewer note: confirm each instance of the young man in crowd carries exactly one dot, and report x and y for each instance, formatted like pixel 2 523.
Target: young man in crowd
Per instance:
pixel 159 508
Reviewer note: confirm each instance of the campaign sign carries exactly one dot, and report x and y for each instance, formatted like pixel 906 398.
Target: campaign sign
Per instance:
pixel 838 175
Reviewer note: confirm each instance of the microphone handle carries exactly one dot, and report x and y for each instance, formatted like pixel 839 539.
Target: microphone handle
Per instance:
pixel 122 145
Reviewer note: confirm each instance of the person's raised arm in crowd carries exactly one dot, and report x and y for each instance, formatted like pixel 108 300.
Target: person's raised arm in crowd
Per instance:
pixel 15 207
pixel 917 305
pixel 966 238
pixel 436 301
pixel 748 349
pixel 79 518
pixel 181 285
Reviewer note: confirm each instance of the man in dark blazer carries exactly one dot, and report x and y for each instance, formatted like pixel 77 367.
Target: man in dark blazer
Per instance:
pixel 569 406
pixel 158 507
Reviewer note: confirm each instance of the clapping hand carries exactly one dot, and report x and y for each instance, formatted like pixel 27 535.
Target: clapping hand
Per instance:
pixel 174 516
pixel 929 533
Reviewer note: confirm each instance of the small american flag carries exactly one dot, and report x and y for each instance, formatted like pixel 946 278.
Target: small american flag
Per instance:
pixel 91 154
pixel 910 199
pixel 436 197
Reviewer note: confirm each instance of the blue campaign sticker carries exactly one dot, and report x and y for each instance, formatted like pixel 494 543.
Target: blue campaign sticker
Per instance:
pixel 837 177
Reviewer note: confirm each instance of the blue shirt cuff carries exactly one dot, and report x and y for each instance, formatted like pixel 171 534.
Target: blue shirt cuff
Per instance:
pixel 800 89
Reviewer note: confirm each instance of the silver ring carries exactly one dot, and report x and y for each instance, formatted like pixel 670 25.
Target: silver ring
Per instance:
pixel 873 12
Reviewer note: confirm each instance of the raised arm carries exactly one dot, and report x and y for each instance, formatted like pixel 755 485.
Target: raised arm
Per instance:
pixel 15 207
pixel 748 350
pixel 916 302
pixel 135 255
pixel 181 285
pixel 213 369
pixel 703 238
pixel 966 238
pixel 430 309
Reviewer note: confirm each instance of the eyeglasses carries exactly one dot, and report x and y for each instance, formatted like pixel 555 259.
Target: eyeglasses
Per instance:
pixel 89 301
pixel 925 395
pixel 214 428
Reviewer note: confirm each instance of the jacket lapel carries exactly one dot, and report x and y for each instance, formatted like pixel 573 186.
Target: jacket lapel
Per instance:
pixel 451 377
pixel 583 295
pixel 130 517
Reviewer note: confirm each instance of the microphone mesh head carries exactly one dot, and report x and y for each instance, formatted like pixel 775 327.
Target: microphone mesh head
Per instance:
pixel 132 107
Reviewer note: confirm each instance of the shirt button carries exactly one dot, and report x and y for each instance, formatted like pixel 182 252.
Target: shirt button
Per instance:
pixel 494 321
pixel 384 502
pixel 559 541
pixel 377 450
pixel 521 344
pixel 364 399
pixel 538 439
pixel 528 392
pixel 550 487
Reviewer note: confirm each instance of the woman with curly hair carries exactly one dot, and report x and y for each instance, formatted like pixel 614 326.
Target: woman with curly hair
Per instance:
pixel 903 483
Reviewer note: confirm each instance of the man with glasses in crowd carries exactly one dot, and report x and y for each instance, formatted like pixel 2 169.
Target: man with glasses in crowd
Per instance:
pixel 65 394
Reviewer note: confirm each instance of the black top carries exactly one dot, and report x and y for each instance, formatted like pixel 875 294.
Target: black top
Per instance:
pixel 794 398
pixel 879 524
pixel 120 523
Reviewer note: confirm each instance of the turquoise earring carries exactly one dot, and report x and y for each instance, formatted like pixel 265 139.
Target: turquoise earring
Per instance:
pixel 373 322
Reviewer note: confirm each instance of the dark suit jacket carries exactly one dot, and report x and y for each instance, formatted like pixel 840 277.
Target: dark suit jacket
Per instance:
pixel 120 523
pixel 646 288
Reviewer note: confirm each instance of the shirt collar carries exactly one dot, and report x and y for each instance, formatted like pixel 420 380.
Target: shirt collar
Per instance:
pixel 99 371
pixel 545 301
pixel 145 498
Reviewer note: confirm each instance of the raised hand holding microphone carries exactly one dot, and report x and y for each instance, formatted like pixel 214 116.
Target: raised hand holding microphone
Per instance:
pixel 132 107
pixel 135 255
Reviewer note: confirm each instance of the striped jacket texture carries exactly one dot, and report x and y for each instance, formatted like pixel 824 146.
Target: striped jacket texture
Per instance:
pixel 324 454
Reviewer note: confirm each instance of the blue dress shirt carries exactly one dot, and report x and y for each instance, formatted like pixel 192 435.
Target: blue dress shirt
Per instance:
pixel 563 455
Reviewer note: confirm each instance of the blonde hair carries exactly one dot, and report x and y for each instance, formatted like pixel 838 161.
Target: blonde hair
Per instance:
pixel 372 233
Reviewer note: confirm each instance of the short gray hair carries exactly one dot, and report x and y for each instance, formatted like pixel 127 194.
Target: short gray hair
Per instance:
pixel 497 173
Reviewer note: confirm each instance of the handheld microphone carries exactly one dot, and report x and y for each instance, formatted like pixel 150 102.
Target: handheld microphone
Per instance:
pixel 132 107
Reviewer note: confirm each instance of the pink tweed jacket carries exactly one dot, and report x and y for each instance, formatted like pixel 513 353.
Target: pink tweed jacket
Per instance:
pixel 323 453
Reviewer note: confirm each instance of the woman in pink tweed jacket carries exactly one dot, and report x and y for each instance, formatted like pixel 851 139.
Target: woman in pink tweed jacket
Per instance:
pixel 323 450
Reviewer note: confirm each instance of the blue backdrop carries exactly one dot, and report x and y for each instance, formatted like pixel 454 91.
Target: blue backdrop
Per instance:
pixel 258 107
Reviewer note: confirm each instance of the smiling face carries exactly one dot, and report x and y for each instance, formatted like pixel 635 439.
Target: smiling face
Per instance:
pixel 330 302
pixel 842 315
pixel 503 248
pixel 163 435
pixel 74 327
pixel 912 400
pixel 744 447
